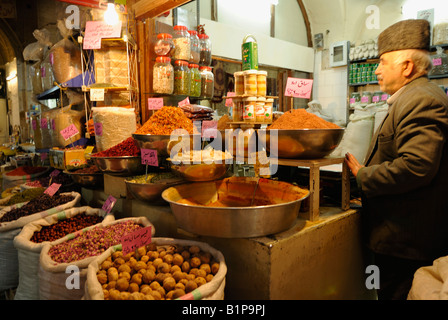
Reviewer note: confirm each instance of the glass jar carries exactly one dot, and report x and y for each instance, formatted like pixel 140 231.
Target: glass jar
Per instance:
pixel 207 82
pixel 194 47
pixel 250 82
pixel 195 83
pixel 237 109
pixel 376 98
pixel 239 83
pixel 164 44
pixel 268 108
pixel 366 98
pixel 355 98
pixel 205 50
pixel 261 83
pixel 163 76
pixel 182 77
pixel 182 43
pixel 249 109
pixel 259 109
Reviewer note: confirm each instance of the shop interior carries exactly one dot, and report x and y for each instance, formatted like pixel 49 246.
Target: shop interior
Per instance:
pixel 59 71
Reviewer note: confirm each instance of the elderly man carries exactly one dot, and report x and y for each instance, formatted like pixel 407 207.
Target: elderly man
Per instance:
pixel 404 181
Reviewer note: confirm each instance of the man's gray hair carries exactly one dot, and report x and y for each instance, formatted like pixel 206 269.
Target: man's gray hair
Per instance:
pixel 421 59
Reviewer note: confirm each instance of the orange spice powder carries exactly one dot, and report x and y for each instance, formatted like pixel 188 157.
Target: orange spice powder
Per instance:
pixel 301 119
pixel 165 121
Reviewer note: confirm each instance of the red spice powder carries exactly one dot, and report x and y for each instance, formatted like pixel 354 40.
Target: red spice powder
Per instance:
pixel 128 147
pixel 26 170
pixel 301 119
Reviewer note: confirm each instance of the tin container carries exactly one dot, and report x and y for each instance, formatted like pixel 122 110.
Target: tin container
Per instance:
pixel 249 52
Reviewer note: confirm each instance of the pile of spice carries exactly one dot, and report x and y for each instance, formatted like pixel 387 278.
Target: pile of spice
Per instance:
pixel 44 182
pixel 24 196
pixel 92 242
pixel 64 227
pixel 26 170
pixel 41 203
pixel 163 177
pixel 126 148
pixel 165 120
pixel 301 119
pixel 88 170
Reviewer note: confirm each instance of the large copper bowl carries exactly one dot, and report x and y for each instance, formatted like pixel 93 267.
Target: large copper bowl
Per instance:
pixel 275 208
pixel 301 143
pixel 119 166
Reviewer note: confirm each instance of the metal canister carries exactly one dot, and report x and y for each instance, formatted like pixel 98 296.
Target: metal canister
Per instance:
pixel 249 52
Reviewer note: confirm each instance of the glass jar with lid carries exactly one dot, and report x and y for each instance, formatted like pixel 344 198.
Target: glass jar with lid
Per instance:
pixel 194 46
pixel 207 82
pixel 268 108
pixel 239 83
pixel 205 52
pixel 163 76
pixel 259 109
pixel 195 83
pixel 182 77
pixel 250 82
pixel 355 99
pixel 182 43
pixel 249 109
pixel 164 44
pixel 261 83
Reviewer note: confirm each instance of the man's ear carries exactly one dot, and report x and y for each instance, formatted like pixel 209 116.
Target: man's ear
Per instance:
pixel 408 68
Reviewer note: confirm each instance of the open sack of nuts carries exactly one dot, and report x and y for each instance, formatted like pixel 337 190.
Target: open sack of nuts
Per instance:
pixel 31 239
pixel 14 217
pixel 63 263
pixel 165 269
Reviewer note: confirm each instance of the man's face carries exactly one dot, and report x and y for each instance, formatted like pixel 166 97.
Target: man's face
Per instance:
pixel 389 73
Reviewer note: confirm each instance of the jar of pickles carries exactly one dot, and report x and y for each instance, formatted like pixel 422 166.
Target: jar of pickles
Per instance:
pixel 182 77
pixel 239 83
pixel 268 108
pixel 163 76
pixel 164 44
pixel 207 82
pixel 259 109
pixel 182 43
pixel 205 50
pixel 195 83
pixel 249 109
pixel 194 46
pixel 261 83
pixel 250 82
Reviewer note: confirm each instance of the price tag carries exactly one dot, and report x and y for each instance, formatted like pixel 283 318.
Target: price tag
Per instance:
pixel 69 132
pixel 299 88
pixel 229 102
pixel 96 30
pixel 98 127
pixel 184 102
pixel 149 157
pixel 209 129
pixel 136 239
pixel 51 190
pixel 109 204
pixel 155 103
pixel 54 173
pixel 44 123
pixel 384 97
pixel 96 94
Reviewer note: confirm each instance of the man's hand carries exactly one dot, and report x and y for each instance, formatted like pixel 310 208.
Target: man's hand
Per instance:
pixel 352 163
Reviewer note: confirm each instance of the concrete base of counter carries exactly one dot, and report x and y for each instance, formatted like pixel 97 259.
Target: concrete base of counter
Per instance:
pixel 312 260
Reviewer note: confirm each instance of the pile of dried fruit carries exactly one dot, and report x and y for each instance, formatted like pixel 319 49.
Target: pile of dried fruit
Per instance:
pixel 64 227
pixel 156 272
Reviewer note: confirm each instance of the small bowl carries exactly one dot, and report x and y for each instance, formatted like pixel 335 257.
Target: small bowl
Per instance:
pixel 119 166
pixel 150 192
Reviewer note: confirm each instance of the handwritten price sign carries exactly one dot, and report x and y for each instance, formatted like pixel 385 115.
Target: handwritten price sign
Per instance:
pixel 299 88
pixel 96 30
pixel 136 239
pixel 69 132
pixel 149 156
pixel 51 190
pixel 229 102
pixel 98 127
pixel 209 129
pixel 155 103
pixel 184 102
pixel 109 204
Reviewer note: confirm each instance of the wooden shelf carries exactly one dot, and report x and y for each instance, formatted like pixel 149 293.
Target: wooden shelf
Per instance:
pixel 145 9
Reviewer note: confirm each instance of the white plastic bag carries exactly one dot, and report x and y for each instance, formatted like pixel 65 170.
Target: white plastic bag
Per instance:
pixel 29 252
pixel 54 277
pixel 431 282
pixel 213 290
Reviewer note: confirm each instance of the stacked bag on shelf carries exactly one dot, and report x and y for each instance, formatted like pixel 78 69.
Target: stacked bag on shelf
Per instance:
pixel 197 112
